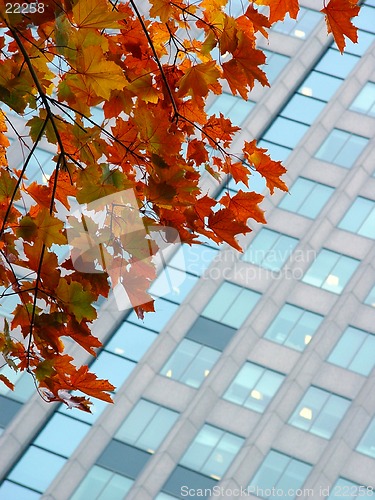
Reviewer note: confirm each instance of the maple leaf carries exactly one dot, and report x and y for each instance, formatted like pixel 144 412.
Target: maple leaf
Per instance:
pixel 279 9
pixel 269 169
pixel 199 79
pixel 7 382
pixel 224 224
pixel 96 14
pixel 338 18
pixel 76 300
pixel 245 205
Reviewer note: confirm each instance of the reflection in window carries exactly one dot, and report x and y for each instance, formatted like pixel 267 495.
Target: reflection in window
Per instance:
pixel 270 249
pixel 146 426
pixel 306 197
pixel 190 363
pixel 347 489
pixel 360 218
pixel 100 484
pixel 280 472
pixel 330 271
pixel 355 351
pixel 231 304
pixel 303 108
pixel 212 451
pixel 370 299
pixel 365 100
pixel 254 387
pixel 367 443
pixel 293 327
pixel 319 412
pixel 9 490
pixel 232 107
pixel 341 148
pixel 320 86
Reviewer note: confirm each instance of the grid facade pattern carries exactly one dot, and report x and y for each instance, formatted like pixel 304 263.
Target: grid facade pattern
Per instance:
pixel 248 359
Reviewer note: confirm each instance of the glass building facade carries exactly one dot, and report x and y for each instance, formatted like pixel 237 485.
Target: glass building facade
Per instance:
pixel 257 371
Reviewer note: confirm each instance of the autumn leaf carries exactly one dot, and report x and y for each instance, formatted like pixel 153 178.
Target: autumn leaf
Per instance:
pixel 224 224
pixel 245 205
pixel 338 18
pixel 95 14
pixel 77 301
pixel 199 79
pixel 269 169
pixel 7 382
pixel 279 9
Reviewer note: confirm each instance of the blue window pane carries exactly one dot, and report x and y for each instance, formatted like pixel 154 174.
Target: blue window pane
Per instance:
pixel 254 387
pixel 276 152
pixel 131 341
pixel 366 19
pixel 363 43
pixel 146 426
pixel 173 284
pixel 270 249
pixel 306 197
pixel 300 28
pixel 12 491
pixel 102 484
pixel 231 305
pixel 232 107
pixel 355 350
pixel 365 100
pixel 332 145
pixel 285 132
pixel 341 148
pixel 275 63
pixel 194 258
pixel 280 472
pixel 350 151
pixel 62 434
pixel 360 218
pixel 367 443
pixel 190 363
pixel 320 86
pixel 303 109
pixel 336 64
pixel 114 368
pixel 319 412
pixel 330 271
pixel 116 488
pixel 212 451
pixel 37 477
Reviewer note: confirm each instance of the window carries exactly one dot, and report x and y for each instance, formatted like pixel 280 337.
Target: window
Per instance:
pixel 330 271
pixel 300 28
pixel 146 426
pixel 275 63
pixel 336 64
pixel 319 412
pixel 100 484
pixel 232 107
pixel 306 197
pixel 131 341
pixel 355 351
pixel 360 218
pixel 367 443
pixel 190 363
pixel 52 439
pixel 23 384
pixel 231 304
pixel 212 451
pixel 173 284
pixel 8 410
pixel 341 148
pixel 293 327
pixel 303 108
pixel 347 489
pixel 156 322
pixel 15 491
pixel 285 132
pixel 280 472
pixel 270 249
pixel 38 478
pixel 320 86
pixel 365 100
pixel 182 480
pixel 194 258
pixel 370 299
pixel 254 387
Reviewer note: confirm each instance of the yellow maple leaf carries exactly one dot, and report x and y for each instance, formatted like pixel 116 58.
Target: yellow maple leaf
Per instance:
pixel 95 14
pixel 199 79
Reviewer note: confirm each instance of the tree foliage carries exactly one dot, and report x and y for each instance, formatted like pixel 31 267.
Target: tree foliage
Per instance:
pixel 151 74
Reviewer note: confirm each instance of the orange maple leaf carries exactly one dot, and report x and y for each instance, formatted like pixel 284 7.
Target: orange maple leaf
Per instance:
pixel 338 19
pixel 245 205
pixel 279 9
pixel 224 224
